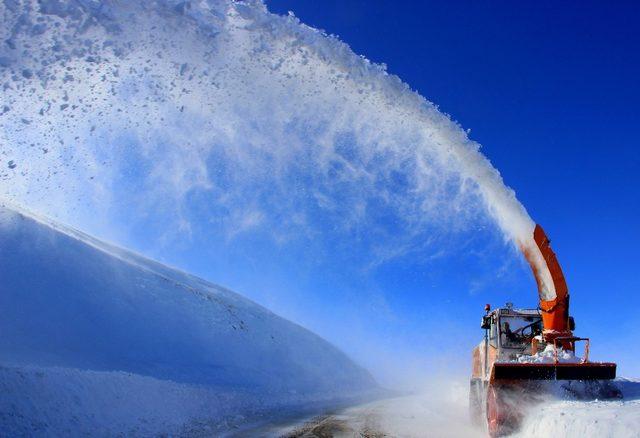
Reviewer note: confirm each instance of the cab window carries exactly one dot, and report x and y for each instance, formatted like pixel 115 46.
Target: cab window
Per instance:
pixel 493 333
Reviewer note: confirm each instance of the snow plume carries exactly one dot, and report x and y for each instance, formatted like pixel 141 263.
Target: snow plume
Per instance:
pixel 221 110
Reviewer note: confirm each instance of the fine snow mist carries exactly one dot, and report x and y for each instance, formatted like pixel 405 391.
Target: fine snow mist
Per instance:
pixel 118 112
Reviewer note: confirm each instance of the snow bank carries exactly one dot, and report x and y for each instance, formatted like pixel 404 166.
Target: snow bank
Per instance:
pixel 571 419
pixel 566 417
pixel 70 402
pixel 54 401
pixel 156 341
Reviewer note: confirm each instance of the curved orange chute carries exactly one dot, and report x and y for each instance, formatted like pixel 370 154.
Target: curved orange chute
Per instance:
pixel 555 313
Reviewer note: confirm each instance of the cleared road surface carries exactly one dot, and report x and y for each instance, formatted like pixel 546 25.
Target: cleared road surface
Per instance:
pixel 408 416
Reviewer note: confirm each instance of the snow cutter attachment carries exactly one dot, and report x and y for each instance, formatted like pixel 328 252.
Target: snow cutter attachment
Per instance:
pixel 553 371
pixel 584 370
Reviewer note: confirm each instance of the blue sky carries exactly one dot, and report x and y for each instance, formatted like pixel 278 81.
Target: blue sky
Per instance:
pixel 550 90
pixel 316 185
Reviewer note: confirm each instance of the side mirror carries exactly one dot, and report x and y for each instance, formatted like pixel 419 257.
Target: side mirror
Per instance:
pixel 572 323
pixel 486 323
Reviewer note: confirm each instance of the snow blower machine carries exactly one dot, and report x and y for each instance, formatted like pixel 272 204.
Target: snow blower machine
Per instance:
pixel 528 355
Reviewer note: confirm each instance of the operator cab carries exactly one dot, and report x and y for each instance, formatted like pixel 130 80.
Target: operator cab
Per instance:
pixel 511 330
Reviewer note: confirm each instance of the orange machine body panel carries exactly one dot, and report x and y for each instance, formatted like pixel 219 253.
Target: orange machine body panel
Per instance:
pixel 480 362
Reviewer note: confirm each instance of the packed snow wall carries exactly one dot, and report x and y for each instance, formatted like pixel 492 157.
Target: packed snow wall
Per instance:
pixel 180 110
pixel 91 331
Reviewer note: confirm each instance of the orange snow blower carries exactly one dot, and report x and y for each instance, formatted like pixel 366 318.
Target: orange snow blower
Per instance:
pixel 527 354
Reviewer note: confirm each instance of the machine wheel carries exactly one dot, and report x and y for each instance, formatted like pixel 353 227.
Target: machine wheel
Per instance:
pixel 498 418
pixel 505 409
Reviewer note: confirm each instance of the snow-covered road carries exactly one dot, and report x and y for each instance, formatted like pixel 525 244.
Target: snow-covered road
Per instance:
pixel 412 416
pixel 438 412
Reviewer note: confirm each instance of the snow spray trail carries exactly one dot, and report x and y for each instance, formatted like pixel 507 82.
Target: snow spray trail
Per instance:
pixel 183 110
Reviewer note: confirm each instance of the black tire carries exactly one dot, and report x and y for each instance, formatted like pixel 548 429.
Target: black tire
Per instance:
pixel 504 409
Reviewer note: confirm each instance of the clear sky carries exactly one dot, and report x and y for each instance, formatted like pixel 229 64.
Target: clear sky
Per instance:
pixel 551 91
pixel 271 160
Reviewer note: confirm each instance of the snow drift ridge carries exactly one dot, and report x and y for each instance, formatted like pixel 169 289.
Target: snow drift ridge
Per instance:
pixel 73 305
